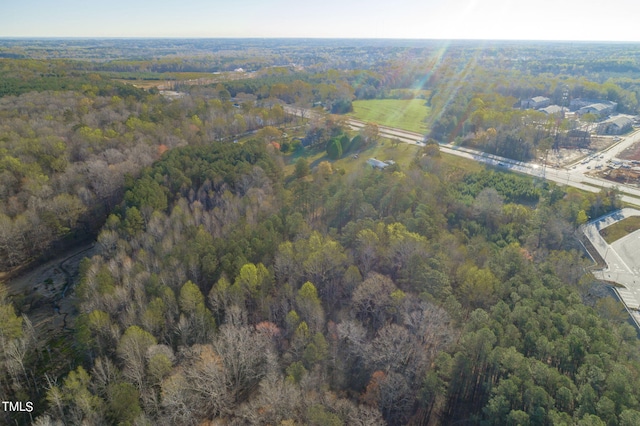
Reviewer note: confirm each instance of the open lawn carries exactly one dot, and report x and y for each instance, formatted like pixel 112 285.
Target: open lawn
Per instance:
pixel 402 154
pixel 399 113
pixel 620 229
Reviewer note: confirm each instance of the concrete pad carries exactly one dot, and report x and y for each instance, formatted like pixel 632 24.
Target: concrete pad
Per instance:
pixel 628 248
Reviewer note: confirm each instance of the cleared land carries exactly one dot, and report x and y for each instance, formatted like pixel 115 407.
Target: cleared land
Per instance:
pixel 620 229
pixel 632 153
pixel 398 113
pixel 146 80
pixel 402 154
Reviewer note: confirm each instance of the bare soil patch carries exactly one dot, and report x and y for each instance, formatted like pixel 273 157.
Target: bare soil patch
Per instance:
pixel 567 156
pixel 632 153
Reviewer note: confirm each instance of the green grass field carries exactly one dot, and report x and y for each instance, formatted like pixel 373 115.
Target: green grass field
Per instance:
pixel 620 229
pixel 399 113
pixel 402 154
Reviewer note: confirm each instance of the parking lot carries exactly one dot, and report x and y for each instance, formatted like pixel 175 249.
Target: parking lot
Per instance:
pixel 628 248
pixel 623 263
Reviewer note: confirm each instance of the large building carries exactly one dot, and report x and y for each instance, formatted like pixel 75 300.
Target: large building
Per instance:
pixel 536 102
pixel 598 107
pixel 615 125
pixel 554 110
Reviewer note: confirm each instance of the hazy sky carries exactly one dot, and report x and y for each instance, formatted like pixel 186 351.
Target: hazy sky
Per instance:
pixel 615 20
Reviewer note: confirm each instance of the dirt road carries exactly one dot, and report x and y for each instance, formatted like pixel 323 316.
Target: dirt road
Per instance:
pixel 43 292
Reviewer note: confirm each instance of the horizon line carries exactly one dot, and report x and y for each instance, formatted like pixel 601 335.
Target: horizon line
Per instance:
pixel 6 37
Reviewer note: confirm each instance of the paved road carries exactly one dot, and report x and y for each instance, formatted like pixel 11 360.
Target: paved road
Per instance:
pixel 571 177
pixel 574 177
pixel 623 267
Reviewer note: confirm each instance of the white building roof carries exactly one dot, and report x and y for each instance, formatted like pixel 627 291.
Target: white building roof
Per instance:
pixel 553 109
pixel 377 163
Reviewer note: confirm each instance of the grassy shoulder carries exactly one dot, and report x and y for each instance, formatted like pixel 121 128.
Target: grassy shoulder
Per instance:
pixel 620 229
pixel 400 113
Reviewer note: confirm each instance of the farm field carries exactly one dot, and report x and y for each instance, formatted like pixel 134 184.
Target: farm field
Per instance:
pixel 399 113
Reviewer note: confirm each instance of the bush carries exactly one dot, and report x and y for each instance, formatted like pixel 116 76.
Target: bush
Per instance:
pixel 334 149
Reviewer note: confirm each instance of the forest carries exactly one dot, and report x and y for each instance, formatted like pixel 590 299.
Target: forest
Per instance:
pixel 239 281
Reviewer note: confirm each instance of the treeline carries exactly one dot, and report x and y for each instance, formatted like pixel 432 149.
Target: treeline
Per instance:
pixel 27 75
pixel 333 89
pixel 428 295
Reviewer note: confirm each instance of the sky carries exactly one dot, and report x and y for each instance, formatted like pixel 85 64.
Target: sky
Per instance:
pixel 615 20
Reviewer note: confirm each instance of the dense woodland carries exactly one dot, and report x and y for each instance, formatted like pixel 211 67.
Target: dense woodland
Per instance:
pixel 64 155
pixel 227 286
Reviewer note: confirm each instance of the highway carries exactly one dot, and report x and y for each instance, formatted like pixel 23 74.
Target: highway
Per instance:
pixel 575 177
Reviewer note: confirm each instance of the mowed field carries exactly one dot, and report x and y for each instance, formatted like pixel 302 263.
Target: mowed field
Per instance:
pixel 399 113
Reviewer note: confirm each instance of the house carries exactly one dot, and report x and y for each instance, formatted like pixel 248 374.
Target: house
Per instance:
pixel 536 102
pixel 377 164
pixel 615 125
pixel 554 110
